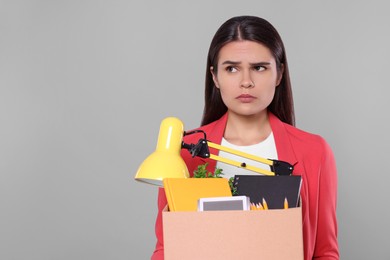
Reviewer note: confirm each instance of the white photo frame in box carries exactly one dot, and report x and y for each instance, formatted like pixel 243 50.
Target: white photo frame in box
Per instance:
pixel 224 203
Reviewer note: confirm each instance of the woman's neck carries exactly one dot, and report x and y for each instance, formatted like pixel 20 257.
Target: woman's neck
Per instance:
pixel 247 130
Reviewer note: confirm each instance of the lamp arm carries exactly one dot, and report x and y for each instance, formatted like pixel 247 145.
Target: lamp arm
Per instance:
pixel 239 153
pixel 201 149
pixel 277 167
pixel 241 165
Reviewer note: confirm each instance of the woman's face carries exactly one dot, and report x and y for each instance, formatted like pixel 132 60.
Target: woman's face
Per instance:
pixel 247 77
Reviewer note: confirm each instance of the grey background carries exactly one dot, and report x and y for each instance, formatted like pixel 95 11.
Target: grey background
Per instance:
pixel 84 86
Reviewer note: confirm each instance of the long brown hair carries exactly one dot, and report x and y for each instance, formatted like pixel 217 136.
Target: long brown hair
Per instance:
pixel 256 29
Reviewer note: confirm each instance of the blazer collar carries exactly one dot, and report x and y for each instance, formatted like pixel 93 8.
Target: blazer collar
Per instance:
pixel 283 144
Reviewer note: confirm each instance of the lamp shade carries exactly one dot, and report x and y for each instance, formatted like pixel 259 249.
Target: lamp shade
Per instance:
pixel 165 161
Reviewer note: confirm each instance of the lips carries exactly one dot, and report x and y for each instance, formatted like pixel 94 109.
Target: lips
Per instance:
pixel 246 98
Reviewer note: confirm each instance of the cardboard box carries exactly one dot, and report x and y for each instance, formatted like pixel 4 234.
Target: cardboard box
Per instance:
pixel 223 235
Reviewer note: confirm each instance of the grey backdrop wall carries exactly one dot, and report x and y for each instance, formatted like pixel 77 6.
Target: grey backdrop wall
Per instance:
pixel 84 86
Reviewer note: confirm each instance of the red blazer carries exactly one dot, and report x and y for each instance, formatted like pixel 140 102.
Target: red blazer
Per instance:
pixel 312 158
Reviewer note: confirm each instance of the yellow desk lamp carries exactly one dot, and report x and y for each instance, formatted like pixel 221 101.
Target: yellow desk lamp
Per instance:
pixel 166 161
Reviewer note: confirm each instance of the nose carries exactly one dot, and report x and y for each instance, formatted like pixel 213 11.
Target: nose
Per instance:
pixel 247 81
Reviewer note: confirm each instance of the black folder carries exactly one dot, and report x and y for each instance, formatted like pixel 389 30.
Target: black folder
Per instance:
pixel 273 189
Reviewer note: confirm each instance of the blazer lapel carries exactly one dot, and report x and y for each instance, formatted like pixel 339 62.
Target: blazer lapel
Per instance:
pixel 283 144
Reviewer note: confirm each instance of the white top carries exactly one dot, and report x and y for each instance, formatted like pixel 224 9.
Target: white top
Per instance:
pixel 265 149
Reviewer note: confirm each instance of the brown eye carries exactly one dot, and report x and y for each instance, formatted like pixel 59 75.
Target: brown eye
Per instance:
pixel 231 69
pixel 259 68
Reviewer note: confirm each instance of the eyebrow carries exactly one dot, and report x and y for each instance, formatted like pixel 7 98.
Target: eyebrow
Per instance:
pixel 262 63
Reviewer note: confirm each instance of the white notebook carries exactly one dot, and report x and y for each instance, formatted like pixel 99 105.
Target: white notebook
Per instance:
pixel 224 203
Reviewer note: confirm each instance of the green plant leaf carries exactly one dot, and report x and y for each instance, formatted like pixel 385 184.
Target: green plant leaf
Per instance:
pixel 233 189
pixel 201 172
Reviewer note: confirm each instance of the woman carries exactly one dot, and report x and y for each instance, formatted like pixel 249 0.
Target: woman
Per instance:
pixel 249 106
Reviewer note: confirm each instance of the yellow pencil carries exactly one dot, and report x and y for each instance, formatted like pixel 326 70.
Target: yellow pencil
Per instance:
pixel 253 207
pixel 265 205
pixel 285 203
pixel 259 207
